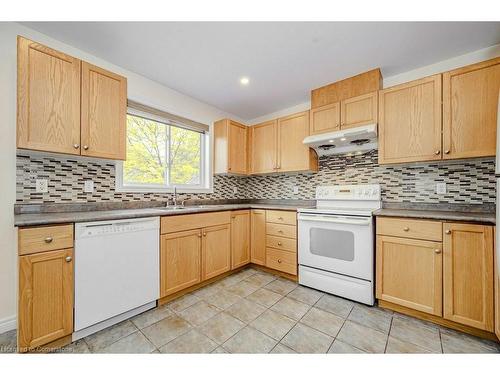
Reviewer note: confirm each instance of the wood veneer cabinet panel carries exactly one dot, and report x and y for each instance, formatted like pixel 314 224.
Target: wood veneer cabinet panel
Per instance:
pixel 48 99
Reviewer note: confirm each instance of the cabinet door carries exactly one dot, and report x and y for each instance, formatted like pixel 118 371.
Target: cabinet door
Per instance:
pixel 470 105
pixel 180 261
pixel 497 288
pixel 325 119
pixel 216 251
pixel 409 273
pixel 237 148
pixel 48 99
pixel 360 110
pixel 104 111
pixel 264 147
pixel 410 121
pixel 468 274
pixel 293 155
pixel 45 297
pixel 258 237
pixel 240 238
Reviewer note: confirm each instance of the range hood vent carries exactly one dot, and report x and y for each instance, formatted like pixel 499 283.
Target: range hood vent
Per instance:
pixel 353 141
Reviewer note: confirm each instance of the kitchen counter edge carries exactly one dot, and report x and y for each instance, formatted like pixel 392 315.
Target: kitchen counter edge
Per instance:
pixel 34 219
pixel 480 217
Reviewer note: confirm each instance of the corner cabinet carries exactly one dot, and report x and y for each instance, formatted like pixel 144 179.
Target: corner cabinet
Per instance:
pixel 410 121
pixel 230 147
pixel 65 105
pixel 240 238
pixel 470 105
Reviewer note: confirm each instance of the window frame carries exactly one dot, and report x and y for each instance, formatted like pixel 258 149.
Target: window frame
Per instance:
pixel 206 178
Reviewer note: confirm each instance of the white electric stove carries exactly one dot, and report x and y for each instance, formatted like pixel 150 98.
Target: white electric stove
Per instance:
pixel 336 241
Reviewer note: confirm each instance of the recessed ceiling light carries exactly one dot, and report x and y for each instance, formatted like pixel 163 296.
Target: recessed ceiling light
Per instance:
pixel 342 139
pixel 244 81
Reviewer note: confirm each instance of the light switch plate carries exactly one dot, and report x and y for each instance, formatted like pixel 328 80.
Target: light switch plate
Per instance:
pixel 41 185
pixel 88 186
pixel 235 190
pixel 441 188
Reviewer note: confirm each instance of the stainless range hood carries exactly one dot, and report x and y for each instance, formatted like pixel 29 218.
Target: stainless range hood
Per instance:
pixel 353 141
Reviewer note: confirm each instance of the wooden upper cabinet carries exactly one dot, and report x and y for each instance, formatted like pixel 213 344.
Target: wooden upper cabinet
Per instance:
pixel 264 147
pixel 180 261
pixel 409 273
pixel 325 119
pixel 360 110
pixel 470 105
pixel 45 298
pixel 103 113
pixel 410 121
pixel 216 251
pixel 258 237
pixel 240 238
pixel 293 155
pixel 48 99
pixel 468 275
pixel 230 147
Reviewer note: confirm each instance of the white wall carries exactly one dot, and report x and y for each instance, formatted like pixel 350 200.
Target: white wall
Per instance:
pixel 439 67
pixel 140 89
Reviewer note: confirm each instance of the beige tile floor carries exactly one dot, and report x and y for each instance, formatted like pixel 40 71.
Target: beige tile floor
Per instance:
pixel 255 312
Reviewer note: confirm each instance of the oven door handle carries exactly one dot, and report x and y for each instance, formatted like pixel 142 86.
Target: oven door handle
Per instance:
pixel 337 220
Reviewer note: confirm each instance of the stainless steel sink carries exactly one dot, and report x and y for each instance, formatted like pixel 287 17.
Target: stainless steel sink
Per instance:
pixel 172 208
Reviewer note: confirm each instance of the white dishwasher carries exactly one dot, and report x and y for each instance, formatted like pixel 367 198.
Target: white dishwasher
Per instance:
pixel 117 272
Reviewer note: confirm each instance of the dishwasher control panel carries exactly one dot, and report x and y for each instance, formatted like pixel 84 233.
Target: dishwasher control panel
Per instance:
pixel 100 228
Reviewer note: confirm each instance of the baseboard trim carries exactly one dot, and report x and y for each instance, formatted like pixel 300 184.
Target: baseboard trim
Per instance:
pixel 8 324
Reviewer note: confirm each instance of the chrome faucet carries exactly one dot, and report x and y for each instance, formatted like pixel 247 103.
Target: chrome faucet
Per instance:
pixel 174 199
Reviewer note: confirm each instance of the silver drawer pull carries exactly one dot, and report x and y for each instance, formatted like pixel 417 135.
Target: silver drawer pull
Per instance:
pixel 48 239
pixel 279 243
pixel 279 260
pixel 437 251
pixel 406 229
pixel 68 259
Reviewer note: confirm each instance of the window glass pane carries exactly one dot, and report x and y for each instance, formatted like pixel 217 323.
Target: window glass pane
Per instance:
pixel 146 152
pixel 185 160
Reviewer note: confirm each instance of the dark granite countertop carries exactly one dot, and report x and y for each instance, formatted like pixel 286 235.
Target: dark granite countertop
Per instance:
pixel 436 214
pixel 43 218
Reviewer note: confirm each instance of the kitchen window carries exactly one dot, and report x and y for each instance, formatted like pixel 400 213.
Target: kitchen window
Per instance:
pixel 163 151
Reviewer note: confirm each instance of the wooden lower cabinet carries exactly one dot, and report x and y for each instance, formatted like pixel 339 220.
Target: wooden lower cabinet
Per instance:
pixel 45 298
pixel 468 275
pixel 240 238
pixel 258 237
pixel 409 273
pixel 215 251
pixel 180 261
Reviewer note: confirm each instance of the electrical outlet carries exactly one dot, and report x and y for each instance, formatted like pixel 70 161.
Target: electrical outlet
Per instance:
pixel 295 189
pixel 235 190
pixel 88 186
pixel 41 186
pixel 441 188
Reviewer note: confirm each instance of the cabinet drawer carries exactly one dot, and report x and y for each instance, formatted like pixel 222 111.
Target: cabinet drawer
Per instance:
pixel 280 260
pixel 288 244
pixel 409 228
pixel 281 217
pixel 40 239
pixel 281 230
pixel 172 224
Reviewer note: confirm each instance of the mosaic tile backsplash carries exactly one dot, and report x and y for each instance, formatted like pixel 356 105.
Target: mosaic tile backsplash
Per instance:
pixel 469 181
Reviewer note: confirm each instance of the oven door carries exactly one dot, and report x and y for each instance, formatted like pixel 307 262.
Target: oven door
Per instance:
pixel 340 244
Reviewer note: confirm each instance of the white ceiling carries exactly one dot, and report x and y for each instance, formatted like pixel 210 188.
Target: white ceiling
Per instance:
pixel 284 60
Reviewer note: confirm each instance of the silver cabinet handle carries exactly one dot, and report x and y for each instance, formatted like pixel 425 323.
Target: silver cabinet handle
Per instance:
pixel 85 147
pixel 76 145
pixel 204 234
pixel 68 259
pixel 448 231
pixel 279 260
pixel 406 229
pixel 437 251
pixel 279 243
pixel 447 151
pixel 48 239
pixel 437 152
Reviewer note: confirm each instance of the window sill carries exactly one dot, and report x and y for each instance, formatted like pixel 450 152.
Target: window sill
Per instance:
pixel 159 190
